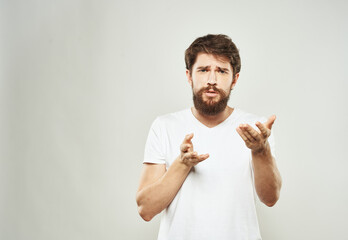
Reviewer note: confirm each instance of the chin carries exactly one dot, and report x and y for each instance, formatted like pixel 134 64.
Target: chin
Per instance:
pixel 212 100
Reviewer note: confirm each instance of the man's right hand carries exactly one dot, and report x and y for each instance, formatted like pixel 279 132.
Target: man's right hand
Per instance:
pixel 188 156
pixel 159 186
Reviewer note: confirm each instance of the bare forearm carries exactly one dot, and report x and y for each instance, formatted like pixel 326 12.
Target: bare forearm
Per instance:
pixel 267 177
pixel 157 196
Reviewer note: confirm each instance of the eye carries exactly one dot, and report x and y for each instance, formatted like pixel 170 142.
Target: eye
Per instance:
pixel 202 70
pixel 222 71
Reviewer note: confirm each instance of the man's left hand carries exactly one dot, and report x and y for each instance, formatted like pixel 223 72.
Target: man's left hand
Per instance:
pixel 256 140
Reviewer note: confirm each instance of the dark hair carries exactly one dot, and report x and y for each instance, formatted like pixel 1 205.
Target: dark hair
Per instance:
pixel 219 45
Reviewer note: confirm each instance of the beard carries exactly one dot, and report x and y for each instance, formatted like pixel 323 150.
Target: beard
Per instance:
pixel 210 107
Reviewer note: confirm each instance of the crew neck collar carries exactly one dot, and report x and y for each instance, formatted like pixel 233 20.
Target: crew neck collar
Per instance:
pixel 231 116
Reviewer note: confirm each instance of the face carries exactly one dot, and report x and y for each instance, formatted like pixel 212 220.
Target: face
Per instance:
pixel 211 80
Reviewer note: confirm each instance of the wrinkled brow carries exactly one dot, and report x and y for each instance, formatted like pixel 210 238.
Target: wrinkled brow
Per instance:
pixel 220 68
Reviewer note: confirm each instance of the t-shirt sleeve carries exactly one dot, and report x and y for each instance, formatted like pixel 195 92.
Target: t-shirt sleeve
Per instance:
pixel 154 147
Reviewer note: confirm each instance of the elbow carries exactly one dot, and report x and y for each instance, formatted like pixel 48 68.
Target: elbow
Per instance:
pixel 272 198
pixel 146 208
pixel 271 201
pixel 144 215
pixel 143 212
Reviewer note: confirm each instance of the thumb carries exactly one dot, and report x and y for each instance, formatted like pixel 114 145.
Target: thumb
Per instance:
pixel 270 121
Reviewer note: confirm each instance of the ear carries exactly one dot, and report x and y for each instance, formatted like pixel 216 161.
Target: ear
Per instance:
pixel 189 77
pixel 234 82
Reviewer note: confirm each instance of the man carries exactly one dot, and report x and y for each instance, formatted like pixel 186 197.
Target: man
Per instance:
pixel 204 166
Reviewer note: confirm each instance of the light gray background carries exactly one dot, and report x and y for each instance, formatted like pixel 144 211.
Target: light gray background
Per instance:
pixel 82 81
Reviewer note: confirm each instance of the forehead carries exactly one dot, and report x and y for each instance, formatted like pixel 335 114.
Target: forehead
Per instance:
pixel 205 59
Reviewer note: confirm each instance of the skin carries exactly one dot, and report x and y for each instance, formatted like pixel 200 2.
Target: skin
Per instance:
pixel 207 71
pixel 268 181
pixel 159 186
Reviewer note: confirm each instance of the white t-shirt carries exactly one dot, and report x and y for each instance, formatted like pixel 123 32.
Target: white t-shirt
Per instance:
pixel 217 199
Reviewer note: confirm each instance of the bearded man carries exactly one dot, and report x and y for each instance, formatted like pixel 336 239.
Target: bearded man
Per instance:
pixel 205 166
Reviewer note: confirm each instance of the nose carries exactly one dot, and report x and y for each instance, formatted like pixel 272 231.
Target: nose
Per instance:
pixel 212 78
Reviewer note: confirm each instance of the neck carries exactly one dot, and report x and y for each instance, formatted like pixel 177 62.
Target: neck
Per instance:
pixel 213 120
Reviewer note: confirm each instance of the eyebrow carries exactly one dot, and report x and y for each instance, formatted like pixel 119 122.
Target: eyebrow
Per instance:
pixel 202 67
pixel 220 68
pixel 223 69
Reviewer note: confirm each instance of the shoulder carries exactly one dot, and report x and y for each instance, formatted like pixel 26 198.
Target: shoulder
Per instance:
pixel 173 118
pixel 171 121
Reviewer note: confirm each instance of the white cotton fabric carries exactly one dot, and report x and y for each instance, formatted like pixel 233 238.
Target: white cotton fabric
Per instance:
pixel 217 199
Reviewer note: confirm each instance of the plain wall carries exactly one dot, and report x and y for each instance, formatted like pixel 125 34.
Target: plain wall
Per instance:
pixel 82 81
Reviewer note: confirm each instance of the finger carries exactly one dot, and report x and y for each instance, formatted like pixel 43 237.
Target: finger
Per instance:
pixel 244 128
pixel 185 147
pixel 190 155
pixel 247 134
pixel 194 157
pixel 241 133
pixel 202 157
pixel 253 132
pixel 188 138
pixel 264 131
pixel 270 121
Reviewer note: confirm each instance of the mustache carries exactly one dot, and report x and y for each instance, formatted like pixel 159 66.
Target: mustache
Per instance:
pixel 208 107
pixel 215 89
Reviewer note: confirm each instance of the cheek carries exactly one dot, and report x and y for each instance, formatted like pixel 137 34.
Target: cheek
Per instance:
pixel 198 82
pixel 195 88
pixel 227 82
pixel 199 78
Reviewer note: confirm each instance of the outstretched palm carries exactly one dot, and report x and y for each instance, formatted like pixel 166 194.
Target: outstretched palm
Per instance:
pixel 256 140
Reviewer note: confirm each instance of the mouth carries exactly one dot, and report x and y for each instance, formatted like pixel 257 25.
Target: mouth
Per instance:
pixel 211 93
